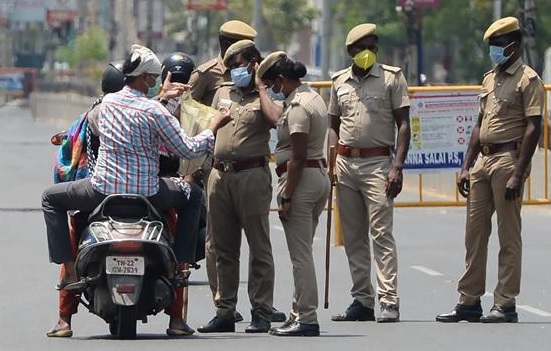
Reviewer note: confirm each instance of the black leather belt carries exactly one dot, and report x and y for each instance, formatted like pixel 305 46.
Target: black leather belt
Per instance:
pixel 236 166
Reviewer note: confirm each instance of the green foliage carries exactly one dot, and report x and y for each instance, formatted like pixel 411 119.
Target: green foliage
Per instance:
pixel 88 48
pixel 455 28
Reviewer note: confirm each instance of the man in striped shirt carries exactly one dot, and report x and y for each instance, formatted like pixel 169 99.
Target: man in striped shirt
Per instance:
pixel 132 127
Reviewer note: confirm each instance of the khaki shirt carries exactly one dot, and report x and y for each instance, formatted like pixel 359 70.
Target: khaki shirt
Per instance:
pixel 365 106
pixel 305 113
pixel 207 78
pixel 507 98
pixel 247 135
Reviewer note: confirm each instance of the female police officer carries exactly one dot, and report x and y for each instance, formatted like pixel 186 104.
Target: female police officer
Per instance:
pixel 303 185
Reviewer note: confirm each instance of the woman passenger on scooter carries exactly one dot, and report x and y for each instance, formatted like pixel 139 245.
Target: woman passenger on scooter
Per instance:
pixel 132 127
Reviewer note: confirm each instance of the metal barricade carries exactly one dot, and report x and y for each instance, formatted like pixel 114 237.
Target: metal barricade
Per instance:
pixel 445 192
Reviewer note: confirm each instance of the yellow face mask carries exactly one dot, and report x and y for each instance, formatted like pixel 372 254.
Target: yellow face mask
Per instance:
pixel 365 59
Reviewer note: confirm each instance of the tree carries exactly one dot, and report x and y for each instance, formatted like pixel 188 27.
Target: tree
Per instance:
pixel 88 51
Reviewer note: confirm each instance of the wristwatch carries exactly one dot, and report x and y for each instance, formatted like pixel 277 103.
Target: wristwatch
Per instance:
pixel 285 200
pixel 163 101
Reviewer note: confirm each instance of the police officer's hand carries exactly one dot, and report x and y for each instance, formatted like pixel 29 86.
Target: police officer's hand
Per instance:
pixel 259 83
pixel 394 182
pixel 171 90
pixel 283 211
pixel 512 189
pixel 463 183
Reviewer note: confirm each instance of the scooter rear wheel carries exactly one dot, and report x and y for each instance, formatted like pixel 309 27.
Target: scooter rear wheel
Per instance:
pixel 125 324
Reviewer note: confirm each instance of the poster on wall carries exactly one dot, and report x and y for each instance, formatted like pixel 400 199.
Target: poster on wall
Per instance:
pixel 441 127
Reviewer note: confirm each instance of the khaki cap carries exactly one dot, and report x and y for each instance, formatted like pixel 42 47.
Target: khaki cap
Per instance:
pixel 269 61
pixel 238 30
pixel 236 48
pixel 360 31
pixel 501 26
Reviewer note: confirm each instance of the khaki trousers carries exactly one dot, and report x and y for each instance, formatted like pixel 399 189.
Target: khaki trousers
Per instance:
pixel 236 201
pixel 365 209
pixel 307 204
pixel 487 195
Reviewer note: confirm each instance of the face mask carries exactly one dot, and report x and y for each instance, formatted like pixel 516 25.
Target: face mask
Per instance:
pixel 241 77
pixel 274 95
pixel 497 54
pixel 154 90
pixel 365 59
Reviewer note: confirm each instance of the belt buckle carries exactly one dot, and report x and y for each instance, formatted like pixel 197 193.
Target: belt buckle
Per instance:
pixel 355 152
pixel 485 149
pixel 227 166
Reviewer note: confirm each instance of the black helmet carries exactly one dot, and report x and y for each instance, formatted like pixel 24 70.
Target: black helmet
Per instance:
pixel 180 65
pixel 112 79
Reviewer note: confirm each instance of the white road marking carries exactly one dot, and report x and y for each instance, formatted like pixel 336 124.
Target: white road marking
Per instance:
pixel 277 227
pixel 427 271
pixel 488 294
pixel 534 310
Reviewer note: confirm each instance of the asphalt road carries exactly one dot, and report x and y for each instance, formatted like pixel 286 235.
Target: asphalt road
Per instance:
pixel 430 243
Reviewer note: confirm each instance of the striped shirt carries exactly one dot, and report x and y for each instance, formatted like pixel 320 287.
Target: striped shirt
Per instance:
pixel 132 128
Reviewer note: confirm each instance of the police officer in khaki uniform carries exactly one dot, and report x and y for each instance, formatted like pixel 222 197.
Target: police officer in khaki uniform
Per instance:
pixel 205 81
pixel 369 104
pixel 303 185
pixel 504 139
pixel 239 195
pixel 209 76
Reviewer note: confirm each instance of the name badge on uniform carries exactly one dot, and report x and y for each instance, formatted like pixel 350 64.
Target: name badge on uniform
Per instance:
pixel 224 103
pixel 342 92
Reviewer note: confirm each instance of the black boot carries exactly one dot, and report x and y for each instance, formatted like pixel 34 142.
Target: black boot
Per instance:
pixel 218 325
pixel 470 313
pixel 258 325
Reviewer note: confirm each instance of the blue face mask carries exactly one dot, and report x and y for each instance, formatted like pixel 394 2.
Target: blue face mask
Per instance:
pixel 275 96
pixel 241 77
pixel 154 90
pixel 497 55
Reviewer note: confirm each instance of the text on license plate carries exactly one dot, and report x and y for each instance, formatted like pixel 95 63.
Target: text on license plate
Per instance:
pixel 130 265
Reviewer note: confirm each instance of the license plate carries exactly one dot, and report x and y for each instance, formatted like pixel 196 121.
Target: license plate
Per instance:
pixel 127 265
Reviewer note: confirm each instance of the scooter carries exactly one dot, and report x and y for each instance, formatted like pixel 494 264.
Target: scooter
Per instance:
pixel 126 267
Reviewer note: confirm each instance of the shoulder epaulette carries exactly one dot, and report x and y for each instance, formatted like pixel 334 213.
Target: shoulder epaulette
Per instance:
pixel 392 69
pixel 530 73
pixel 227 84
pixel 339 73
pixel 490 71
pixel 207 65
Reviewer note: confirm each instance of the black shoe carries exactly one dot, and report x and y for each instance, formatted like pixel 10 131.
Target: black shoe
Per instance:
pixel 258 325
pixel 289 322
pixel 355 312
pixel 218 325
pixel 237 317
pixel 501 314
pixel 390 313
pixel 297 329
pixel 278 316
pixel 470 313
